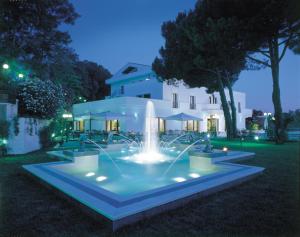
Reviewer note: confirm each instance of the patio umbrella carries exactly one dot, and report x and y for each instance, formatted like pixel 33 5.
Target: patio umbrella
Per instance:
pixel 182 117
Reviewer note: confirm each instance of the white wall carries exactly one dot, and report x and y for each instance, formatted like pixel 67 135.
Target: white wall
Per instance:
pixel 138 86
pixel 161 95
pixel 134 108
pixel 27 139
pixel 203 105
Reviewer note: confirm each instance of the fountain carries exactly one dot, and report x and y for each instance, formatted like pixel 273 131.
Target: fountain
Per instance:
pixel 105 180
pixel 150 153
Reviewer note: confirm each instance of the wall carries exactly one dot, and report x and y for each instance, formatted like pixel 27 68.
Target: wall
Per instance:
pixel 27 139
pixel 203 105
pixel 138 86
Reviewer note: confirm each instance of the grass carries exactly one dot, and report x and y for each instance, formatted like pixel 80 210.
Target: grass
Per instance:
pixel 265 206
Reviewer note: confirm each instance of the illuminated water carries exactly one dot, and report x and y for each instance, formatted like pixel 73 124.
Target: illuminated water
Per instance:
pixel 137 177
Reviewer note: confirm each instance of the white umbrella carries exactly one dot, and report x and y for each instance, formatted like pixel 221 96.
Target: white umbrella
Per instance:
pixel 182 117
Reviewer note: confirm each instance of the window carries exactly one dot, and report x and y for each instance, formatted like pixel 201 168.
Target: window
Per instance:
pixel 129 70
pixel 239 107
pixel 148 96
pixel 191 125
pixel 122 90
pixel 213 99
pixel 212 125
pixel 112 125
pixel 175 100
pixel 192 102
pixel 161 125
pixel 79 125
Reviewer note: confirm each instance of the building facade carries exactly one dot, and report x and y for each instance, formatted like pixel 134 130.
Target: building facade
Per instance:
pixel 135 84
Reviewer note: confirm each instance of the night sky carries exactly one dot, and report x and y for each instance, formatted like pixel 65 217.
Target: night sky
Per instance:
pixel 114 32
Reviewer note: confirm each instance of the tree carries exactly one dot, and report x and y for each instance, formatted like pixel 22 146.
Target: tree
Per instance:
pixel 30 31
pixel 41 99
pixel 31 36
pixel 280 31
pixel 203 52
pixel 92 79
pixel 269 28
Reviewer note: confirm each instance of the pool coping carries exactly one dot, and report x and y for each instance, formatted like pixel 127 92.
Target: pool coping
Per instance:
pixel 125 210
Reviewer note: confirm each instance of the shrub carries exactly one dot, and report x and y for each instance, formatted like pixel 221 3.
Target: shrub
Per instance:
pixel 4 129
pixel 41 99
pixel 45 134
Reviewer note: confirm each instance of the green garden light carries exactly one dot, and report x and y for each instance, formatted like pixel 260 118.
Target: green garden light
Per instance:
pixel 21 75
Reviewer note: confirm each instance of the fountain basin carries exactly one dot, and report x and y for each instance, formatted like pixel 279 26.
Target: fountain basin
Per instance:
pixel 140 191
pixel 214 154
pixel 74 153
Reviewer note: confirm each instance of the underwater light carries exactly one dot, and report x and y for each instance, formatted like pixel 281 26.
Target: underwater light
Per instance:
pixel 89 174
pixel 101 178
pixel 194 175
pixel 179 179
pixel 256 138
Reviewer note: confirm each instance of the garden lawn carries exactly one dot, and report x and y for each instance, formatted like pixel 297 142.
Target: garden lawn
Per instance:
pixel 265 206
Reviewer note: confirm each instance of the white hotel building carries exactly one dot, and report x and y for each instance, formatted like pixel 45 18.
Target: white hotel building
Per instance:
pixel 134 84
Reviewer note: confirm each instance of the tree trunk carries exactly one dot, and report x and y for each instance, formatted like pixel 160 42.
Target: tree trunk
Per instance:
pixel 233 108
pixel 225 107
pixel 274 55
